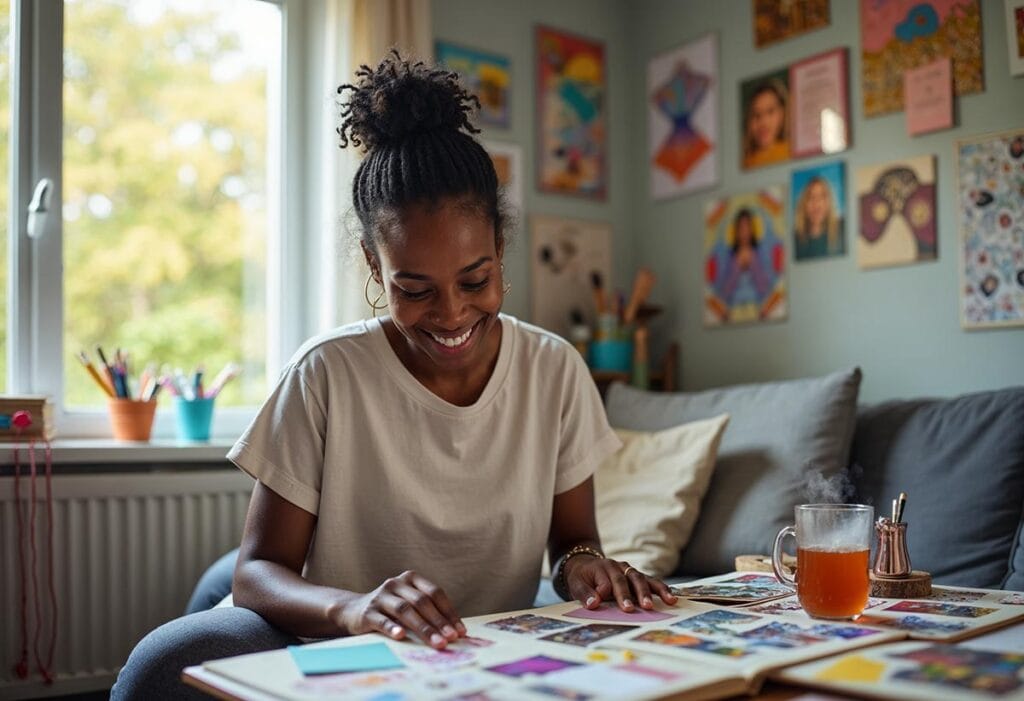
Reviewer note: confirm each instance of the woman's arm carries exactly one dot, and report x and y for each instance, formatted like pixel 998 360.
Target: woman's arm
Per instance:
pixel 268 579
pixel 589 579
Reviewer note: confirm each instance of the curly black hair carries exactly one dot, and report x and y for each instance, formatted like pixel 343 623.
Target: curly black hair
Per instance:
pixel 413 121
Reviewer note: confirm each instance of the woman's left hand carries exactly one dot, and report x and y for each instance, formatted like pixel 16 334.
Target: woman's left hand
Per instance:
pixel 591 580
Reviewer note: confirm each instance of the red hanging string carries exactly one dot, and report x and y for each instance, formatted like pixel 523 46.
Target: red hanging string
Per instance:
pixel 21 666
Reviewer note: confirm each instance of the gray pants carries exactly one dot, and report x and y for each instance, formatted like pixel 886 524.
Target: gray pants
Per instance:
pixel 153 670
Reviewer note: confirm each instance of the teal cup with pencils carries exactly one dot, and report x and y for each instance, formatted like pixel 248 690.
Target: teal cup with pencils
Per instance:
pixel 194 417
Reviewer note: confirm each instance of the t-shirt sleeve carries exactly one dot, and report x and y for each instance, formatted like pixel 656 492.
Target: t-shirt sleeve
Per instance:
pixel 284 445
pixel 586 438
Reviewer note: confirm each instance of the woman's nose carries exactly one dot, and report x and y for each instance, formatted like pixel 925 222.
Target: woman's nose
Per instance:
pixel 450 309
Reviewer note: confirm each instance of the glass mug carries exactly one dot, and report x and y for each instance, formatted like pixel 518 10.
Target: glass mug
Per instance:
pixel 833 541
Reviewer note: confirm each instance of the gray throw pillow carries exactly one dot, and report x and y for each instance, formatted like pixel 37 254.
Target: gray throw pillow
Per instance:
pixel 782 437
pixel 961 463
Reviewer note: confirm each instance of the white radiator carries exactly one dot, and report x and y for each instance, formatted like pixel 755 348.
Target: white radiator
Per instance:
pixel 127 551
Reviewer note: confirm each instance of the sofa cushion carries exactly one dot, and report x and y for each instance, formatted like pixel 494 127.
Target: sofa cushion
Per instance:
pixel 780 436
pixel 648 494
pixel 961 463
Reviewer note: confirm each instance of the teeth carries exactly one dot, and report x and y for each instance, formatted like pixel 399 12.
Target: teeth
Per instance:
pixel 453 342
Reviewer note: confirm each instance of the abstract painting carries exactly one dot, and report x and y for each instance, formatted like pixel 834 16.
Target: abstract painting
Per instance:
pixel 745 258
pixel 896 202
pixel 776 20
pixel 485 75
pixel 901 34
pixel 571 115
pixel 990 201
pixel 682 118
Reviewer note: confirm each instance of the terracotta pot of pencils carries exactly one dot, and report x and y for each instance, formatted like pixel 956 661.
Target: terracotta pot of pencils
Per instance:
pixel 131 419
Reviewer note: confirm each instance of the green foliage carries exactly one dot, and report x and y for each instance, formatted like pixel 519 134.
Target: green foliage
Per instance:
pixel 165 132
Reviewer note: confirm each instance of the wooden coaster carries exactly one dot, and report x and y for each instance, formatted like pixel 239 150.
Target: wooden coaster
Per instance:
pixel 915 586
pixel 763 563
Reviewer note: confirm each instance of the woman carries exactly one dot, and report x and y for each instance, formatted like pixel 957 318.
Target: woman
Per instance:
pixel 816 224
pixel 765 129
pixel 412 469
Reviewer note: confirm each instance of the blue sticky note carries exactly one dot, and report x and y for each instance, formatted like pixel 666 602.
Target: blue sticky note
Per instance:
pixel 357 658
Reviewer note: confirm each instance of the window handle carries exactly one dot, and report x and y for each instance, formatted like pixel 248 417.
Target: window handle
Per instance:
pixel 39 207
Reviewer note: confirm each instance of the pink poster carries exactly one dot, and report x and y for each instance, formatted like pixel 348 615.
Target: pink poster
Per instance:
pixel 928 97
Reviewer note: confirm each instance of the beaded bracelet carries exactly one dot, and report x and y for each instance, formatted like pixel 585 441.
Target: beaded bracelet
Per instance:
pixel 558 581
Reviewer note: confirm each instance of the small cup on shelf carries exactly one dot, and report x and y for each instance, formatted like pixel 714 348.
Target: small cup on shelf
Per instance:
pixel 194 417
pixel 131 419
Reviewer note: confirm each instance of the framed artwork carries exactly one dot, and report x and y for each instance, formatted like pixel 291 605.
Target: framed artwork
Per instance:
pixel 486 75
pixel 777 20
pixel 571 114
pixel 682 118
pixel 928 97
pixel 1015 35
pixel 901 34
pixel 745 259
pixel 508 163
pixel 818 197
pixel 820 112
pixel 764 126
pixel 564 254
pixel 896 203
pixel 990 200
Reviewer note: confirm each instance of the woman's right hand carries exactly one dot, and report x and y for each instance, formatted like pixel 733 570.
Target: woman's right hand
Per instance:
pixel 406 603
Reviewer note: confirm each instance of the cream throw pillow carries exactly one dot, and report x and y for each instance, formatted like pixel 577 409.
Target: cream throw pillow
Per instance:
pixel 648 494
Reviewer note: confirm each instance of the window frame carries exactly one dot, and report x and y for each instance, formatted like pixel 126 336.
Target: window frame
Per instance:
pixel 35 288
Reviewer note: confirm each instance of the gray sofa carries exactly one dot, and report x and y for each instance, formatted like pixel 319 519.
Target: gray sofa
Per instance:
pixel 960 460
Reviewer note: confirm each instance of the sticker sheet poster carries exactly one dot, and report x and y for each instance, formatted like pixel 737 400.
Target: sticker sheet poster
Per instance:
pixel 991 209
pixel 572 114
pixel 777 20
pixel 896 202
pixel 485 75
pixel 745 258
pixel 682 118
pixel 901 34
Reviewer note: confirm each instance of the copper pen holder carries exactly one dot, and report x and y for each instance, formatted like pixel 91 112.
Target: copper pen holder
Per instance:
pixel 892 561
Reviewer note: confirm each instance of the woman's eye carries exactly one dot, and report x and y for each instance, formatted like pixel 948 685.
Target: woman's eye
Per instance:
pixel 408 294
pixel 474 286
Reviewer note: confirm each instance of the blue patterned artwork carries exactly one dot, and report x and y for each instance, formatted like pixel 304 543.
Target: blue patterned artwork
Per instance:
pixel 991 207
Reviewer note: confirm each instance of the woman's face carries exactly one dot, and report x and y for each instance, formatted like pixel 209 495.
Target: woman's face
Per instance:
pixel 817 206
pixel 441 270
pixel 744 232
pixel 766 119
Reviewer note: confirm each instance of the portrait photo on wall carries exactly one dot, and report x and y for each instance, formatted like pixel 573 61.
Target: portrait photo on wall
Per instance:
pixel 777 20
pixel 564 255
pixel 682 118
pixel 818 198
pixel 901 34
pixel 745 258
pixel 486 75
pixel 571 114
pixel 896 203
pixel 764 126
pixel 990 202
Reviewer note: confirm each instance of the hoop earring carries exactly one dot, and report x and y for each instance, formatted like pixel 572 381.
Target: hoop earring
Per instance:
pixel 375 305
pixel 508 285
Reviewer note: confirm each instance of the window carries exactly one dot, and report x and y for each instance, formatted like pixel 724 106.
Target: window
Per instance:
pixel 159 123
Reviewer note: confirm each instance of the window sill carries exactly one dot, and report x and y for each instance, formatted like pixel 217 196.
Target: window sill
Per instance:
pixel 99 451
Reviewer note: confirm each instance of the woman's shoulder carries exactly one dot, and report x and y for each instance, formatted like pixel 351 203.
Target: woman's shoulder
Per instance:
pixel 341 344
pixel 540 347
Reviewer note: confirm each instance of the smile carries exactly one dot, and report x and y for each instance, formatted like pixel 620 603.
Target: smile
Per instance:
pixel 454 343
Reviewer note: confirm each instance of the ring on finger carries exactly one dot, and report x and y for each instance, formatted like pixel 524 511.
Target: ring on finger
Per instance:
pixel 629 569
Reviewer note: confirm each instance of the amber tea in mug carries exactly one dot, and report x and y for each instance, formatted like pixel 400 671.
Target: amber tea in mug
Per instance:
pixel 833 542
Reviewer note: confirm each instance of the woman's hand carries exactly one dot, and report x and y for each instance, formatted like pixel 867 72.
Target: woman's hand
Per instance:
pixel 406 603
pixel 592 580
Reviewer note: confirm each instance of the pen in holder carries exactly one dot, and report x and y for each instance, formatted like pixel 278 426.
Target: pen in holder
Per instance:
pixel 892 576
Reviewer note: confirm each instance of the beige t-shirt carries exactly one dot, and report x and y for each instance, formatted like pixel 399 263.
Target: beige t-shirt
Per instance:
pixel 401 479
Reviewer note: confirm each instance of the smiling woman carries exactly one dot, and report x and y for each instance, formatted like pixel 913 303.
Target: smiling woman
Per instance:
pixel 412 469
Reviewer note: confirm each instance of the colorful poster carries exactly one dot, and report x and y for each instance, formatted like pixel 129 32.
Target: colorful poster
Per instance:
pixel 485 75
pixel 572 115
pixel 820 113
pixel 508 164
pixel 682 118
pixel 928 94
pixel 744 259
pixel 990 200
pixel 764 129
pixel 565 254
pixel 901 34
pixel 776 20
pixel 896 202
pixel 1015 35
pixel 819 207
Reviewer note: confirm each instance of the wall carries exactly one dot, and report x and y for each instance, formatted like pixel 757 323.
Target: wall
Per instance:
pixel 901 325
pixel 507 28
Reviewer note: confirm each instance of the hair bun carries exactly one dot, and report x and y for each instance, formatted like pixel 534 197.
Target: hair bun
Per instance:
pixel 399 99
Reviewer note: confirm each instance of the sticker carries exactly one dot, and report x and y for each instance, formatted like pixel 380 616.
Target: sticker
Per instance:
pixel 855 668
